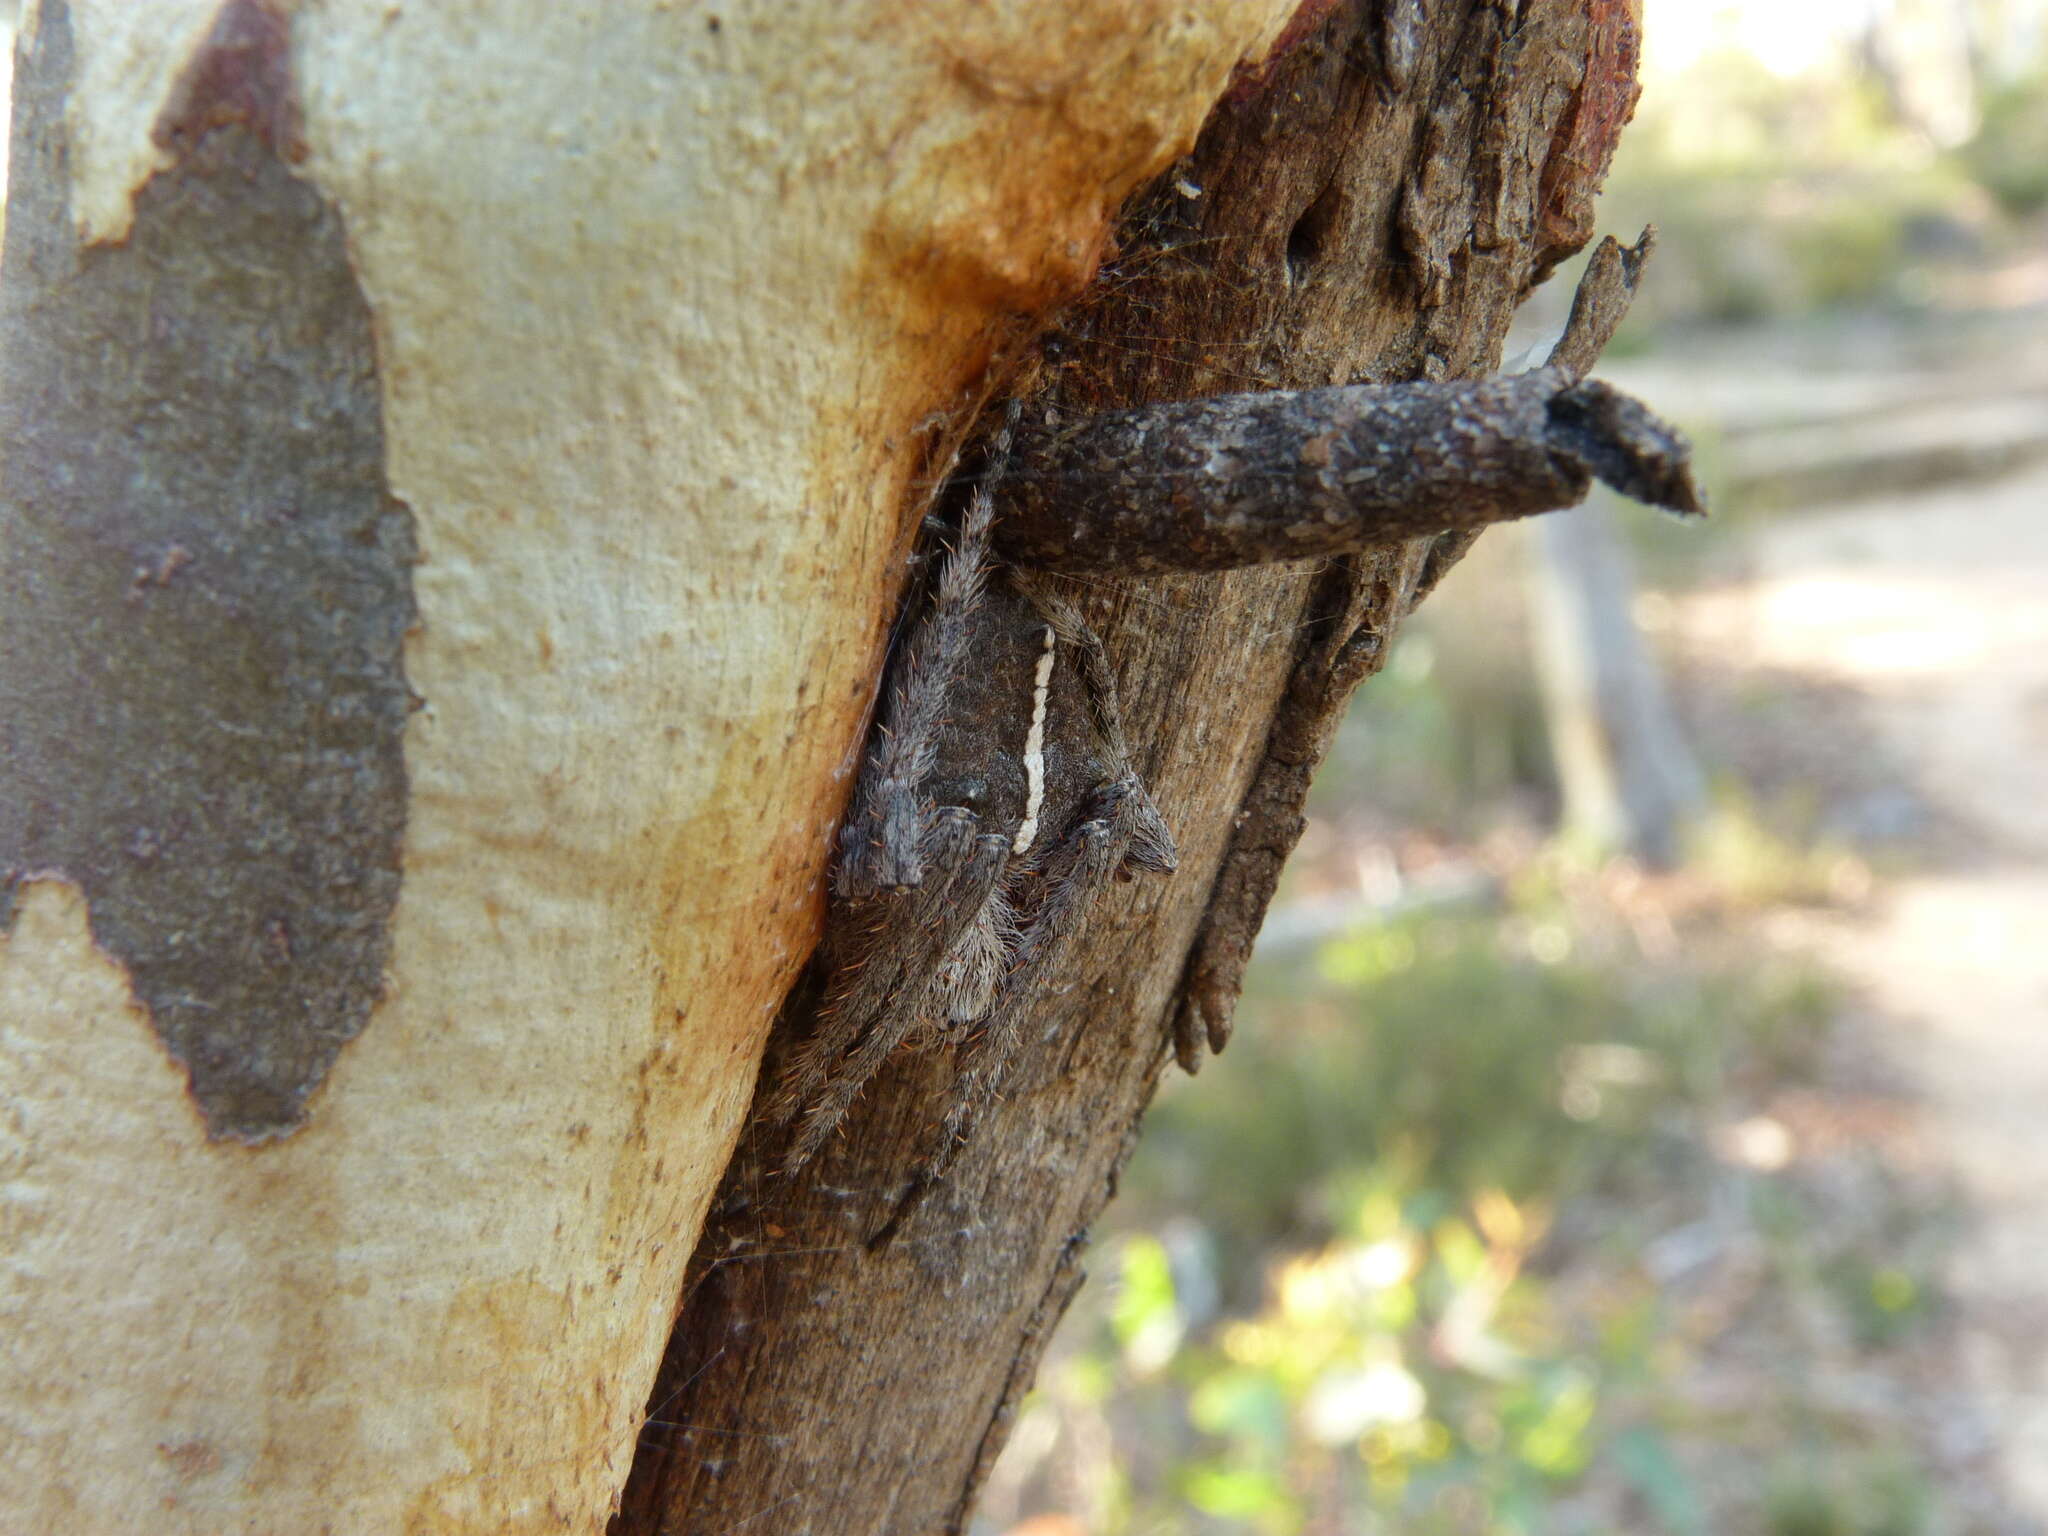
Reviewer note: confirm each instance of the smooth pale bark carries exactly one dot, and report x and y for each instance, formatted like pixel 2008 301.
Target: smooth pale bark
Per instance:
pixel 676 312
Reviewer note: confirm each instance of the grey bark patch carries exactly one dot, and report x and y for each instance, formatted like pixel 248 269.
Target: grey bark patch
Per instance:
pixel 205 586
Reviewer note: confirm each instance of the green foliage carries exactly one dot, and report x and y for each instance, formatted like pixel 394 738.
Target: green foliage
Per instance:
pixel 1853 1496
pixel 1477 1197
pixel 2009 154
pixel 1880 1299
pixel 1421 1134
pixel 1756 863
pixel 1475 1052
pixel 1781 196
pixel 1450 727
pixel 1447 1101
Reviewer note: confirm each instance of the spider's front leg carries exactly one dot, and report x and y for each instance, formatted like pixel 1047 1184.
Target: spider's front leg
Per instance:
pixel 1114 831
pixel 919 916
pixel 895 973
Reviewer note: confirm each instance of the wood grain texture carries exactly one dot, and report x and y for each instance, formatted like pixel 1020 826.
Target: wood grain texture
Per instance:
pixel 1371 208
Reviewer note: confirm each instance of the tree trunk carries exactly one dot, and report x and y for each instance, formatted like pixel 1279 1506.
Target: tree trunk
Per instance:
pixel 1629 781
pixel 1372 206
pixel 457 463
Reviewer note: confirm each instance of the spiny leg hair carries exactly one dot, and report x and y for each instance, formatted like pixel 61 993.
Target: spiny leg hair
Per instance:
pixel 1151 848
pixel 1076 870
pixel 932 943
pixel 897 988
pixel 881 845
pixel 910 950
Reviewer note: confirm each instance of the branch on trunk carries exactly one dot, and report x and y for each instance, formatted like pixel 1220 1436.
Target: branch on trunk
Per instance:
pixel 1237 480
pixel 1210 485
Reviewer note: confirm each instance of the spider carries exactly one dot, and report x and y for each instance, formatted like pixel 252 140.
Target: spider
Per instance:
pixel 980 830
pixel 998 797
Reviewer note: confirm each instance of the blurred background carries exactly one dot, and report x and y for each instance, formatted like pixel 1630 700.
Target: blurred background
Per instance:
pixel 1638 1117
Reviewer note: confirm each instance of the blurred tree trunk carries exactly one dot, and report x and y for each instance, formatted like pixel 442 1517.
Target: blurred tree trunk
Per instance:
pixel 1629 781
pixel 1371 205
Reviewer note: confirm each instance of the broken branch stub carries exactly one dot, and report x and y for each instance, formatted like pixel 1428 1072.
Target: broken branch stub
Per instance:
pixel 1606 291
pixel 1238 480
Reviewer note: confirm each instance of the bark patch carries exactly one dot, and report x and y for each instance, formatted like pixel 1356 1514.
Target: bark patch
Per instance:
pixel 205 585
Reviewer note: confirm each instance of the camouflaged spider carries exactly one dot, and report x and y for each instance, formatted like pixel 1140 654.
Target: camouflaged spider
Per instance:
pixel 976 840
pixel 967 854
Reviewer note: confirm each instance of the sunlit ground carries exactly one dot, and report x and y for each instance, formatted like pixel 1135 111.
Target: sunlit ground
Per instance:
pixel 1933 609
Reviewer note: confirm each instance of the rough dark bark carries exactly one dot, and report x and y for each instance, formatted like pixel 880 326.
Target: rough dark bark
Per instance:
pixel 1372 209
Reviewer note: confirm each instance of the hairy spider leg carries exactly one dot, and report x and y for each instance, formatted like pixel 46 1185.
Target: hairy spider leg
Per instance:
pixel 1076 871
pixel 896 989
pixel 880 847
pixel 967 979
pixel 923 949
pixel 1121 833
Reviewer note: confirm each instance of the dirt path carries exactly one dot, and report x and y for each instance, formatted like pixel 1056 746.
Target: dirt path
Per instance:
pixel 1934 609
